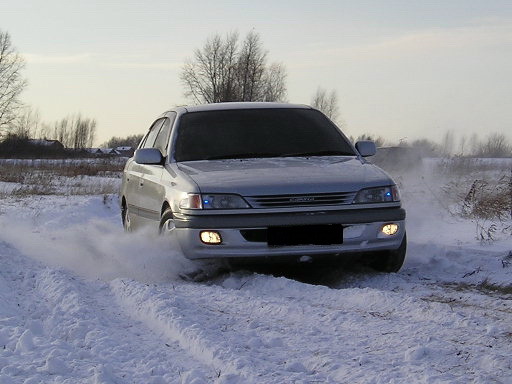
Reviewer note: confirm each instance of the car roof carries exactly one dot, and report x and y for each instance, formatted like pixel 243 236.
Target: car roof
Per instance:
pixel 238 105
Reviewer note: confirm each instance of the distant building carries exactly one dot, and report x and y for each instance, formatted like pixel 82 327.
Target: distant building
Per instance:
pixel 125 151
pixel 93 151
pixel 108 151
pixel 118 151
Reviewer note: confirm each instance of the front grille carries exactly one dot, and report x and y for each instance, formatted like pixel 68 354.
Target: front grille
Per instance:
pixel 302 200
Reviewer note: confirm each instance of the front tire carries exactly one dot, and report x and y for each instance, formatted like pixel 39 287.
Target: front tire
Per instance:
pixel 167 225
pixel 125 216
pixel 390 261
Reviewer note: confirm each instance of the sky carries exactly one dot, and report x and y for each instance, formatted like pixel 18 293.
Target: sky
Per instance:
pixel 402 70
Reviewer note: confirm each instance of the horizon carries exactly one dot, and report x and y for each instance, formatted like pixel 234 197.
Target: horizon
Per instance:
pixel 402 70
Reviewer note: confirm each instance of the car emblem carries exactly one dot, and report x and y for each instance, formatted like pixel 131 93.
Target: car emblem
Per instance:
pixel 301 199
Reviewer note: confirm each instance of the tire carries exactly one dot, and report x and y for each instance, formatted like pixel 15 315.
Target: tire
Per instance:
pixel 390 261
pixel 125 217
pixel 167 225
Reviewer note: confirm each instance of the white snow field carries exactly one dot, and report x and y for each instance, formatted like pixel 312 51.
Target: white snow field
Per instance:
pixel 83 302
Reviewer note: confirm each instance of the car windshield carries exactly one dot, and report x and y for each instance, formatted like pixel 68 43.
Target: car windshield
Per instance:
pixel 255 133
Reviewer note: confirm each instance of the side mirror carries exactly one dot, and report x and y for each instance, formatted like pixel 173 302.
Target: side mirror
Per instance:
pixel 149 156
pixel 366 148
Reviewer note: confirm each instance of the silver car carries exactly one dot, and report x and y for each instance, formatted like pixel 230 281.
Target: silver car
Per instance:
pixel 262 180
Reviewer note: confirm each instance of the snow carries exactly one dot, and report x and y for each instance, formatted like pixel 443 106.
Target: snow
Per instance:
pixel 83 302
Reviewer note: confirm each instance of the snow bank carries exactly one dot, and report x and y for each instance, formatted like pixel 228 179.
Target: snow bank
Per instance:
pixel 85 235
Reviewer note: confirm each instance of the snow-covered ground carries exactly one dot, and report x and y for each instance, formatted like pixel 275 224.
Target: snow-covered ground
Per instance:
pixel 82 302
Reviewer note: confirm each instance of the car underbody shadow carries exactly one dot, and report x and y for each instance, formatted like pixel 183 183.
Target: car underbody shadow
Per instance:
pixel 328 271
pixel 315 273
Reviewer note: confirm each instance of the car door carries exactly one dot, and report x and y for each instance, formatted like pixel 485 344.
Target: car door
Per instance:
pixel 131 178
pixel 152 190
pixel 134 177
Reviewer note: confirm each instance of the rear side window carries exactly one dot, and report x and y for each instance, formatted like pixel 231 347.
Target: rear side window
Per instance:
pixel 257 133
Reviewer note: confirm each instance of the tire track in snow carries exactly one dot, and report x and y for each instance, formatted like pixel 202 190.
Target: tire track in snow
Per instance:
pixel 21 320
pixel 111 335
pixel 69 328
pixel 274 338
pixel 381 335
pixel 166 311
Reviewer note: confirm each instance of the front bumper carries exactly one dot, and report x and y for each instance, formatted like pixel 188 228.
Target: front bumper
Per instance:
pixel 361 233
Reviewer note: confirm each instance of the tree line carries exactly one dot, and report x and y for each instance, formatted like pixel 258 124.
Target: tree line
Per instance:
pixel 494 145
pixel 225 69
pixel 73 131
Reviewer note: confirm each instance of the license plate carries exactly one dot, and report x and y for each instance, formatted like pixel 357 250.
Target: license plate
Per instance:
pixel 330 234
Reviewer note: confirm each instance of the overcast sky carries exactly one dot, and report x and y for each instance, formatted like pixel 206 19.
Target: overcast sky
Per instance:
pixel 402 69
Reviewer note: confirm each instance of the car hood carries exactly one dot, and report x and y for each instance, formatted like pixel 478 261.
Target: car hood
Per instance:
pixel 291 175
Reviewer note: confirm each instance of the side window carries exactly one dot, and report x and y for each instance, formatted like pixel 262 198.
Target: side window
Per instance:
pixel 162 139
pixel 149 141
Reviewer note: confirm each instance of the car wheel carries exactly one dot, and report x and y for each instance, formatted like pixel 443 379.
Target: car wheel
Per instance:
pixel 167 225
pixel 390 261
pixel 127 222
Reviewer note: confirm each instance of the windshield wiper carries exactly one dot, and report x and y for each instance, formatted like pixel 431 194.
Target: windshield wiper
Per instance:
pixel 318 153
pixel 242 156
pixel 255 155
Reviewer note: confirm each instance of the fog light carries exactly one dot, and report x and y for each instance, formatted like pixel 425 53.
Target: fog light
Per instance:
pixel 211 237
pixel 389 229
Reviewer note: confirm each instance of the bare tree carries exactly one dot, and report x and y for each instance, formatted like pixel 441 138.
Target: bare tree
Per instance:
pixel 224 70
pixel 84 130
pixel 462 145
pixel 11 82
pixel 496 145
pixel 474 144
pixel 327 102
pixel 211 76
pixel 62 131
pixel 251 68
pixel 274 83
pixel 26 123
pixel 74 131
pixel 447 144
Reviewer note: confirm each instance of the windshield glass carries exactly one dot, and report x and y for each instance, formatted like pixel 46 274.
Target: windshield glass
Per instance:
pixel 247 133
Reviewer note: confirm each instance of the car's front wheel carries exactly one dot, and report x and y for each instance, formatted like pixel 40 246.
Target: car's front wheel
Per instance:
pixel 390 261
pixel 125 216
pixel 167 225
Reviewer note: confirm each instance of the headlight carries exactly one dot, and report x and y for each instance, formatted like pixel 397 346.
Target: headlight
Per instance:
pixel 213 201
pixel 192 201
pixel 223 202
pixel 378 195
